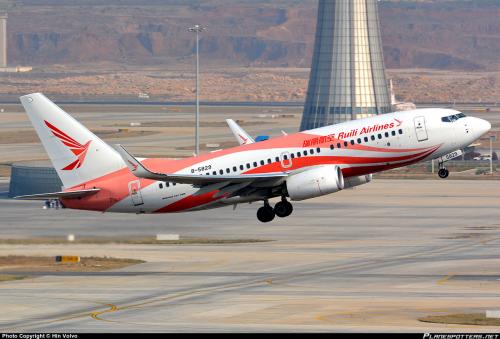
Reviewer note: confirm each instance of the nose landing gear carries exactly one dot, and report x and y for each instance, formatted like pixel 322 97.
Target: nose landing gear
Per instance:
pixel 443 173
pixel 282 209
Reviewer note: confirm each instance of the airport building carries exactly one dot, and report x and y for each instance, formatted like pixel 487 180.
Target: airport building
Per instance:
pixel 33 177
pixel 347 79
pixel 4 68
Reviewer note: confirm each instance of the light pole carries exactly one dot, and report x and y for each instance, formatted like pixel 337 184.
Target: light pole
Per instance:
pixel 492 139
pixel 197 29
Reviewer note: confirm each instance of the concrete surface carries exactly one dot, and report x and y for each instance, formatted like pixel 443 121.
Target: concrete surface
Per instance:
pixel 371 259
pixel 171 125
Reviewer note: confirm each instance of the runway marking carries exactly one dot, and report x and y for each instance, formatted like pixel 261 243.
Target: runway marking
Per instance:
pixel 260 282
pixel 96 315
pixel 320 318
pixel 445 279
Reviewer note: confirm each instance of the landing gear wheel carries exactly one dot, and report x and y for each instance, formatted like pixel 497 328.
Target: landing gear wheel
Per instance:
pixel 266 213
pixel 283 209
pixel 443 173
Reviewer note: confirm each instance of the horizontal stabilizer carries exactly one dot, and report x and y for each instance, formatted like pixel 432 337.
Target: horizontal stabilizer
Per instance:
pixel 60 195
pixel 138 169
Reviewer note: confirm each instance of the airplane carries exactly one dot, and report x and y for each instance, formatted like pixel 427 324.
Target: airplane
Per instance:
pixel 239 133
pixel 296 167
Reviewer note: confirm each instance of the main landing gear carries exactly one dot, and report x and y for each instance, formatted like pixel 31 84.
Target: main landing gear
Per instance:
pixel 282 209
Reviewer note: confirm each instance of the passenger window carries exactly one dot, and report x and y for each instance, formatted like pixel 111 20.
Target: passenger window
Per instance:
pixel 400 131
pixel 285 157
pixel 346 144
pixel 311 151
pixel 221 172
pixel 386 134
pixel 161 186
pixel 214 173
pixel 242 167
pixel 167 184
pixel 332 147
pixel 255 164
pixel 359 141
pixel 262 163
pixel 318 150
pixel 339 145
pixel 305 153
pixel 235 169
pixel 366 139
pixel 249 166
pixel 174 184
pixel 373 138
pixel 269 161
pixel 277 159
pixel 352 142
pixel 292 156
pixel 393 133
pixel 298 155
pixel 380 136
pixel 228 170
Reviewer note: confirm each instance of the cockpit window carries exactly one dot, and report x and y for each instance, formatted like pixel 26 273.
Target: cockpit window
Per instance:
pixel 453 118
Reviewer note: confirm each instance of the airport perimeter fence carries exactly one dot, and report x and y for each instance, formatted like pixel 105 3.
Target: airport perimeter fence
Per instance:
pixel 480 166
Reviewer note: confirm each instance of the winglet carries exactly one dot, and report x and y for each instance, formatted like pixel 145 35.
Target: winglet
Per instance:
pixel 239 133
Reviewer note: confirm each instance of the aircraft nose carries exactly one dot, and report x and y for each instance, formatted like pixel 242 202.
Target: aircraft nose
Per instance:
pixel 481 126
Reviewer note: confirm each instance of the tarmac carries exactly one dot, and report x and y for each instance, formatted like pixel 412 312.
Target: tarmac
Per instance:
pixel 375 258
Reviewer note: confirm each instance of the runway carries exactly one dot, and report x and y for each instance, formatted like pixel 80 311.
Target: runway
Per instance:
pixel 371 259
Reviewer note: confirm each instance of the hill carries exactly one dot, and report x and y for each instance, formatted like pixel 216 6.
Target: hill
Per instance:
pixel 444 35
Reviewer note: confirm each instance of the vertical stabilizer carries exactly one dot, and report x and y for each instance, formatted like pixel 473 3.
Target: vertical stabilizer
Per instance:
pixel 77 154
pixel 239 133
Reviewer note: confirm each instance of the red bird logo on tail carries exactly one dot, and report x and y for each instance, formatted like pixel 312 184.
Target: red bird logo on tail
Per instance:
pixel 79 150
pixel 245 140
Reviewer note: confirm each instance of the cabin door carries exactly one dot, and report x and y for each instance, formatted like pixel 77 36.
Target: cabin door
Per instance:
pixel 134 188
pixel 421 129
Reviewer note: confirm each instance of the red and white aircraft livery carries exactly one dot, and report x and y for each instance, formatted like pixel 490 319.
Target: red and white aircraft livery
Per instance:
pixel 299 166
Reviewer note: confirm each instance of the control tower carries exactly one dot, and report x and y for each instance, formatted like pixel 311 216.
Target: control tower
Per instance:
pixel 347 79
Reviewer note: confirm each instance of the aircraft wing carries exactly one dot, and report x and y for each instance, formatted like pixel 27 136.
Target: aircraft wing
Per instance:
pixel 138 169
pixel 59 195
pixel 240 134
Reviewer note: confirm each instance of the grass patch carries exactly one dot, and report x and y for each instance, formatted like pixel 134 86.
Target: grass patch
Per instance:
pixel 136 241
pixel 462 319
pixel 10 277
pixel 14 263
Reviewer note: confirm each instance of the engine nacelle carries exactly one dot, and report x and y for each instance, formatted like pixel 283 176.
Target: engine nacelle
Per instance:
pixel 315 182
pixel 357 181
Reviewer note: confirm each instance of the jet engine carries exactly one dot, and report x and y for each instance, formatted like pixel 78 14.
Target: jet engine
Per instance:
pixel 357 181
pixel 315 182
